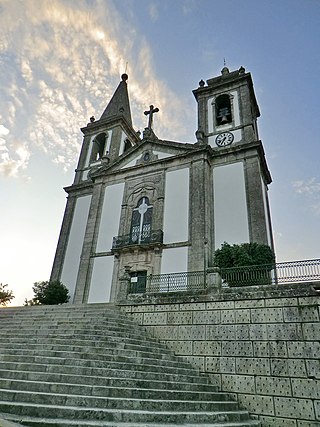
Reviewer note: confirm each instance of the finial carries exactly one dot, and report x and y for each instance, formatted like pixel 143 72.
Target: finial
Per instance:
pixel 242 70
pixel 124 77
pixel 201 83
pixel 92 119
pixel 225 69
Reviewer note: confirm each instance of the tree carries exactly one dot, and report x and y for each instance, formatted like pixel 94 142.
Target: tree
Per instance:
pixel 5 295
pixel 49 293
pixel 256 259
pixel 243 255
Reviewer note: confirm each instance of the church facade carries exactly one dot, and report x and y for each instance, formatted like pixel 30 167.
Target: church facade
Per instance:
pixel 150 206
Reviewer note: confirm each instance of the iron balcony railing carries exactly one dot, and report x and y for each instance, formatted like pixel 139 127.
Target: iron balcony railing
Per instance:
pixel 144 238
pixel 268 274
pixel 272 274
pixel 173 282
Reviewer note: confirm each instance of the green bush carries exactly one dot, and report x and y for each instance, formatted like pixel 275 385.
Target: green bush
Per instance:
pixel 5 295
pixel 49 293
pixel 250 255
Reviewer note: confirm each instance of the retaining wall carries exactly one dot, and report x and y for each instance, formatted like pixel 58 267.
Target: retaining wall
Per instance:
pixel 259 344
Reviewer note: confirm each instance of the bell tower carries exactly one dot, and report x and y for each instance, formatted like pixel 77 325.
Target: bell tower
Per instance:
pixel 227 109
pixel 104 142
pixel 227 122
pixel 106 139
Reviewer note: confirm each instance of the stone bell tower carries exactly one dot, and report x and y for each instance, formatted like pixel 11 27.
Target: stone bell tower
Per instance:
pixel 104 141
pixel 227 122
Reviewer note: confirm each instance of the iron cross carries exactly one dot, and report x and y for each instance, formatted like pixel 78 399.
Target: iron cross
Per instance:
pixel 151 113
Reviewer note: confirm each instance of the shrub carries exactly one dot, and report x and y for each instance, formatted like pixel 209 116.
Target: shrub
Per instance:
pixel 49 293
pixel 5 295
pixel 245 255
pixel 242 255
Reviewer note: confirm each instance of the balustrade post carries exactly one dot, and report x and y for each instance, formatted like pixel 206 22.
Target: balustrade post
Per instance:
pixel 124 283
pixel 213 279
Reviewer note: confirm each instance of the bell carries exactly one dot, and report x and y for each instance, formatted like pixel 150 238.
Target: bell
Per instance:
pixel 224 119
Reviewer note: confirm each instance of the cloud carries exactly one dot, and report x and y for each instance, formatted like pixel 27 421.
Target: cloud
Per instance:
pixel 311 190
pixel 61 62
pixel 310 186
pixel 153 12
pixel 188 6
pixel 3 131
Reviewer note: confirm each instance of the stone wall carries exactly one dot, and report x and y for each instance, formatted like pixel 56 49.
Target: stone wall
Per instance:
pixel 259 344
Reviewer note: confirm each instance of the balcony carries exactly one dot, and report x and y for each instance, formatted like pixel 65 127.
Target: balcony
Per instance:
pixel 146 238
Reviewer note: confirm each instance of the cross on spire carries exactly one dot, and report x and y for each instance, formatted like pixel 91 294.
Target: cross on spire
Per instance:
pixel 150 113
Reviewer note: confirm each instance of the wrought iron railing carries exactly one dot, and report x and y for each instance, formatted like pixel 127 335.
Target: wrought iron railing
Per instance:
pixel 176 282
pixel 144 238
pixel 270 274
pixel 267 274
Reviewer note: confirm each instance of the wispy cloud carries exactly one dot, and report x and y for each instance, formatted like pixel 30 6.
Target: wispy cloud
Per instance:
pixel 153 12
pixel 311 190
pixel 60 63
pixel 311 186
pixel 188 6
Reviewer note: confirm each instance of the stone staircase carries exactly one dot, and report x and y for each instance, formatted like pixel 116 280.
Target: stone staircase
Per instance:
pixel 91 366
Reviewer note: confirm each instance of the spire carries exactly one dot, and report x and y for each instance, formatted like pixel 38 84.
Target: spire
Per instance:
pixel 119 104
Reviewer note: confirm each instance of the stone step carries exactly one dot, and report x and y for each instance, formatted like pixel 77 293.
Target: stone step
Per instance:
pixel 68 337
pixel 88 347
pixel 108 334
pixel 131 379
pixel 76 328
pixel 96 368
pixel 84 342
pixel 65 399
pixel 27 354
pixel 54 310
pixel 54 364
pixel 116 415
pixel 181 391
pixel 121 319
pixel 56 422
pixel 90 365
pixel 114 381
pixel 43 316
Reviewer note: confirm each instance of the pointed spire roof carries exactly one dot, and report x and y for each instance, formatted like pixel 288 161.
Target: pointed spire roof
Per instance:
pixel 119 104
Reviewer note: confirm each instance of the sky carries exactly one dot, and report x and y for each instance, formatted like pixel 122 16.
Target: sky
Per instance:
pixel 61 60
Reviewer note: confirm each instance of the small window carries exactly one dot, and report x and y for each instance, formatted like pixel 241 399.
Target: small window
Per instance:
pixel 223 110
pixel 127 145
pixel 138 282
pixel 98 147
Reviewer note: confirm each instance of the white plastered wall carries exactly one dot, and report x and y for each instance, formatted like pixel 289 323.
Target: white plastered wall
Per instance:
pixel 176 206
pixel 230 205
pixel 74 247
pixel 174 260
pixel 110 216
pixel 101 279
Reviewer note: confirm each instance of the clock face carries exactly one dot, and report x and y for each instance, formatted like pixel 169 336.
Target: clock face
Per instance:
pixel 224 138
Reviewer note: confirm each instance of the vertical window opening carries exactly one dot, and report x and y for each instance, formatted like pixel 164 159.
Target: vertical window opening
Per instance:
pixel 141 222
pixel 127 145
pixel 99 147
pixel 223 110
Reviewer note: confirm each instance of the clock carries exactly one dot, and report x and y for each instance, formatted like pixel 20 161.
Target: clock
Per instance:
pixel 224 138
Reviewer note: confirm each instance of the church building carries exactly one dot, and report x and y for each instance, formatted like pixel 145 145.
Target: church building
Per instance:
pixel 147 206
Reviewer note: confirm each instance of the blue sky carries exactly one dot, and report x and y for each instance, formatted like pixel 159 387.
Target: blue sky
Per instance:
pixel 60 61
